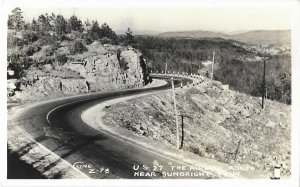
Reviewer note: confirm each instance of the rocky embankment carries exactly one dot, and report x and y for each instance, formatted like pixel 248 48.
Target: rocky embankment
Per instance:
pixel 102 68
pixel 219 123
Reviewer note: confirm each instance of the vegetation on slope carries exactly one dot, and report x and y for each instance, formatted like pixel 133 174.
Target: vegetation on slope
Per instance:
pixel 218 123
pixel 51 39
pixel 237 64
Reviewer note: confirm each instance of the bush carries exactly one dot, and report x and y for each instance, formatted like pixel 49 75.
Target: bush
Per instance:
pixel 62 58
pixel 210 149
pixel 78 47
pixel 48 50
pixel 105 40
pixel 29 36
pixel 48 40
pixel 31 49
pixel 88 40
pixel 196 150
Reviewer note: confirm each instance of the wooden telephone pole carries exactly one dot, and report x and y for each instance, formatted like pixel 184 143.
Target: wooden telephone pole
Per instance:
pixel 182 129
pixel 264 86
pixel 212 66
pixel 176 115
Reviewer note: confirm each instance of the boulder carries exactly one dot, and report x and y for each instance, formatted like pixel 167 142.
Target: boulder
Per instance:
pixel 144 126
pixel 246 113
pixel 217 109
pixel 11 84
pixel 270 123
pixel 225 87
pixel 202 90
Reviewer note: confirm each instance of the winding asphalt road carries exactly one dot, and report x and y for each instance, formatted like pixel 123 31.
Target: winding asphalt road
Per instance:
pixel 58 126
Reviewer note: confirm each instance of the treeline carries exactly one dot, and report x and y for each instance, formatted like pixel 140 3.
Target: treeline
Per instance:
pixel 47 33
pixel 241 74
pixel 186 54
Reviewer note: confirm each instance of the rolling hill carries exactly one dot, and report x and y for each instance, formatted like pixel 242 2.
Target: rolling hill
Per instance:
pixel 257 37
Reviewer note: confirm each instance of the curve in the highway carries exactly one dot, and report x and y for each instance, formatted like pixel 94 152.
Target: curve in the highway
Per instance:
pixel 63 132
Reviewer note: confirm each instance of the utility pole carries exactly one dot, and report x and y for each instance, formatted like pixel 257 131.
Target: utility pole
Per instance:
pixel 182 132
pixel 182 129
pixel 176 114
pixel 192 63
pixel 264 85
pixel 166 68
pixel 212 67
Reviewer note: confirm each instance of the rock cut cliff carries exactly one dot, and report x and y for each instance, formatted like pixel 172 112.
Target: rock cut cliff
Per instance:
pixel 101 68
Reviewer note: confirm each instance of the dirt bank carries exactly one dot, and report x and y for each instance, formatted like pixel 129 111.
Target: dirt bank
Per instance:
pixel 220 124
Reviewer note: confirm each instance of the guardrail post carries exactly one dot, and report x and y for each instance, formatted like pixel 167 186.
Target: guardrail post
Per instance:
pixel 277 170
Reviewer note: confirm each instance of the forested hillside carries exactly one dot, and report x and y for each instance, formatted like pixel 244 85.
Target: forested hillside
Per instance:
pixel 238 64
pixel 50 38
pixel 54 56
pixel 54 40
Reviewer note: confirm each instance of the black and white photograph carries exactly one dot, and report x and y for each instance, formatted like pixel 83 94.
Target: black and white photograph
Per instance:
pixel 197 92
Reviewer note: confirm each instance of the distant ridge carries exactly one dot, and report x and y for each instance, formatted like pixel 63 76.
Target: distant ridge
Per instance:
pixel 194 34
pixel 138 32
pixel 256 37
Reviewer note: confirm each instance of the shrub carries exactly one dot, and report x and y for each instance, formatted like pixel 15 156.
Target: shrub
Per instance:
pixel 196 150
pixel 48 40
pixel 62 58
pixel 210 149
pixel 78 47
pixel 105 40
pixel 87 39
pixel 48 50
pixel 31 49
pixel 29 36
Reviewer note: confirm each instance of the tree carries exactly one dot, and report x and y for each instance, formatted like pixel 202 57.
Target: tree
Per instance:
pixel 16 20
pixel 43 23
pixel 129 37
pixel 107 32
pixel 94 32
pixel 60 25
pixel 87 24
pixel 78 47
pixel 75 24
pixel 34 25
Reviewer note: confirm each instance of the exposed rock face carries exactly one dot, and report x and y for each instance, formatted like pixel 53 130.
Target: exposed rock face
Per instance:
pixel 110 70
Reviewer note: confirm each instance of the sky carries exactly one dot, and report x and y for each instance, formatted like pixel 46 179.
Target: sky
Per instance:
pixel 162 19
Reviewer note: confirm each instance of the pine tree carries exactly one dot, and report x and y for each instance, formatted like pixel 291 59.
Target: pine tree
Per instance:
pixel 75 24
pixel 34 26
pixel 87 24
pixel 107 32
pixel 60 25
pixel 43 23
pixel 16 20
pixel 94 32
pixel 129 37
